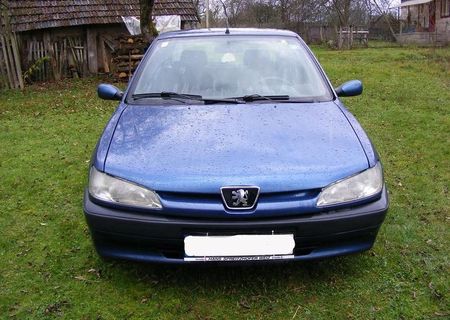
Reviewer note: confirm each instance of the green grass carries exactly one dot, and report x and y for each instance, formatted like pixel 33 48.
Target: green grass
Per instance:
pixel 49 269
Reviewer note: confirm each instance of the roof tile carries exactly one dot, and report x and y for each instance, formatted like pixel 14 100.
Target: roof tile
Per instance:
pixel 29 15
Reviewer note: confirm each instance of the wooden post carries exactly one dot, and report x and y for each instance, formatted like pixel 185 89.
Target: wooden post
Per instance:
pixel 349 36
pixel 340 41
pixel 92 55
pixel 352 29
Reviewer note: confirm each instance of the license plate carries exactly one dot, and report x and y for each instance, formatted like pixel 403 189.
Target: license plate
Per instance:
pixel 239 247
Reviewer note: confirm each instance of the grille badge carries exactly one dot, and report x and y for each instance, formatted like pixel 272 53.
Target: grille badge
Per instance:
pixel 240 197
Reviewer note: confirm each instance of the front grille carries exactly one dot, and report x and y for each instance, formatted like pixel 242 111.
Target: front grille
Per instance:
pixel 217 198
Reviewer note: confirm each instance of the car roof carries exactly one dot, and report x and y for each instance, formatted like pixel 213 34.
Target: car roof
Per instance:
pixel 232 31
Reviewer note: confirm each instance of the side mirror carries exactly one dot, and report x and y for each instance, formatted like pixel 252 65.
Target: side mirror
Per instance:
pixel 350 89
pixel 109 92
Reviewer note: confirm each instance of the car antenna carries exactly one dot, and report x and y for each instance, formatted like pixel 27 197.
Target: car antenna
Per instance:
pixel 227 30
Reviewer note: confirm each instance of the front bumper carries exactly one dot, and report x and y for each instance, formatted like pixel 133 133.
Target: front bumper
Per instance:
pixel 155 238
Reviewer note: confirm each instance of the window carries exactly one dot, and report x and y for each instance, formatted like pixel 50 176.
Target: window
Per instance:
pixel 224 67
pixel 445 8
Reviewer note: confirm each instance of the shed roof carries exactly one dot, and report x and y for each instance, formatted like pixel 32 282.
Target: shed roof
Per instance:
pixel 30 15
pixel 410 3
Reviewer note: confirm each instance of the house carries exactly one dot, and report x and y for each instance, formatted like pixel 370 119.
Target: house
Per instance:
pixel 79 33
pixel 424 22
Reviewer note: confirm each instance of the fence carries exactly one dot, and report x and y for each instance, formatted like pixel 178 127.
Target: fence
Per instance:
pixel 53 59
pixel 10 68
pixel 343 37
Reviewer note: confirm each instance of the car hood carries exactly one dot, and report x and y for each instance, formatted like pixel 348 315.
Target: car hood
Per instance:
pixel 200 148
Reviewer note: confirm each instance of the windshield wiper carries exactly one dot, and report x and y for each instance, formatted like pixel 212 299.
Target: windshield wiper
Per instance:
pixel 278 99
pixel 223 100
pixel 258 97
pixel 301 100
pixel 179 96
pixel 166 95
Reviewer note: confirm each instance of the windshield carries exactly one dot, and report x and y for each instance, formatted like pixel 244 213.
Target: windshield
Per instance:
pixel 220 67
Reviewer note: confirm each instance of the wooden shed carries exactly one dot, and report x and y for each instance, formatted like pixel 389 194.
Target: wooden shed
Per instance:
pixel 78 36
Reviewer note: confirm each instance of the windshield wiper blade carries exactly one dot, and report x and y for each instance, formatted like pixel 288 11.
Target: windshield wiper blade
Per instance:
pixel 223 100
pixel 258 97
pixel 185 96
pixel 299 100
pixel 167 95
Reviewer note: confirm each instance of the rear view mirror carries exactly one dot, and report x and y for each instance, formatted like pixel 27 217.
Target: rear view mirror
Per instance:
pixel 109 92
pixel 350 89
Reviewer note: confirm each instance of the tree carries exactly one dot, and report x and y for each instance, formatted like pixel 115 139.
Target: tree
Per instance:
pixel 342 8
pixel 148 28
pixel 383 9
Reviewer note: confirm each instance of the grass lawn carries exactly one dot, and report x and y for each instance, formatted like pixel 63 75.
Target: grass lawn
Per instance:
pixel 49 269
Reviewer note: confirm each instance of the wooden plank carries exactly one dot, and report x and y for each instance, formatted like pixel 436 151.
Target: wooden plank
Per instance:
pixel 56 55
pixel 30 52
pixel 45 64
pixel 51 65
pixel 16 55
pixel 104 56
pixel 5 55
pixel 84 52
pixel 10 61
pixel 92 54
pixel 132 57
pixel 74 56
pixel 65 57
pixel 3 74
pixel 42 66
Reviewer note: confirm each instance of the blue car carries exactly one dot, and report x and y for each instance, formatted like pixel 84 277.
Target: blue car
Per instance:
pixel 231 145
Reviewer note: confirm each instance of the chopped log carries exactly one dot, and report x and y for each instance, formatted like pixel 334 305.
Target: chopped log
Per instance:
pixel 132 57
pixel 128 55
pixel 125 69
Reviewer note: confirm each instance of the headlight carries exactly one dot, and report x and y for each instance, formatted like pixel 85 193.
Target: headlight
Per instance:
pixel 108 188
pixel 360 186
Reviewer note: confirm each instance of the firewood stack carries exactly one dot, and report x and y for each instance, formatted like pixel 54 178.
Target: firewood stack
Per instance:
pixel 127 55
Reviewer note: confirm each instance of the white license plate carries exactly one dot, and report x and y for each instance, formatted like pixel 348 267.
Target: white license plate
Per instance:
pixel 239 247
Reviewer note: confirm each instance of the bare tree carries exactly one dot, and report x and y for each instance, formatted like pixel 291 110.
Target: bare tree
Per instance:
pixel 342 8
pixel 148 28
pixel 383 9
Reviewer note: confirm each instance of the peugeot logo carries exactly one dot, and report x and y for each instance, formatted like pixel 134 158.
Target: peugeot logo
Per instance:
pixel 240 197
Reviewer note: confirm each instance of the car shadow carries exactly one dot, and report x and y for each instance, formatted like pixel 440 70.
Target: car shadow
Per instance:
pixel 261 279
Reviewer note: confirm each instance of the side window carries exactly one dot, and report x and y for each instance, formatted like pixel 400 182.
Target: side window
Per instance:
pixel 445 8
